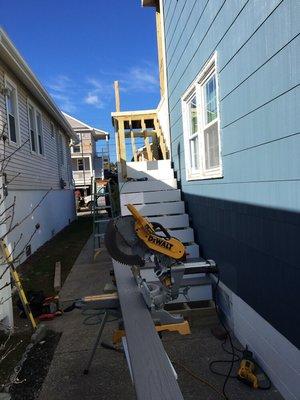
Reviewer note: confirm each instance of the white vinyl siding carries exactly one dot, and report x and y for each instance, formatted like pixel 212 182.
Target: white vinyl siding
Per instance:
pixel 35 172
pixel 52 130
pixel 201 126
pixel 12 111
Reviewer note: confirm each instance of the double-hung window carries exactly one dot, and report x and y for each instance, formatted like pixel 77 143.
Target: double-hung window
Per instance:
pixel 39 130
pixel 201 126
pixel 80 164
pixel 32 127
pixel 12 111
pixel 35 123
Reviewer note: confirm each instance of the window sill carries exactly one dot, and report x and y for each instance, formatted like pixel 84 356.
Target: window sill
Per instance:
pixel 202 177
pixel 11 143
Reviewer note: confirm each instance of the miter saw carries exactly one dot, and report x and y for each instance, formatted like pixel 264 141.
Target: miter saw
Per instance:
pixel 135 241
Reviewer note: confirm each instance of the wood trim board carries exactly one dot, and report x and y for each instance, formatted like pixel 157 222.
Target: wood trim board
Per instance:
pixel 151 370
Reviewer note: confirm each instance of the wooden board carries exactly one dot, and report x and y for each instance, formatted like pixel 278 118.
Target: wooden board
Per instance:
pixel 152 373
pixel 150 197
pixel 172 221
pixel 57 276
pixel 147 186
pixel 167 208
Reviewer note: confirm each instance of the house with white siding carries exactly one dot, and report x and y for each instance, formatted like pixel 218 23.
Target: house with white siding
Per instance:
pixel 35 144
pixel 87 162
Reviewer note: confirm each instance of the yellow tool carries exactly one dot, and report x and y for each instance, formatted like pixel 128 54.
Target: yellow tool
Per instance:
pixel 246 372
pixel 16 278
pixel 182 327
pixel 147 232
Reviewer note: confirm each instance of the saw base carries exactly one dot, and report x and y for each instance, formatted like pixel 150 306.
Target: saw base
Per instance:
pixel 183 328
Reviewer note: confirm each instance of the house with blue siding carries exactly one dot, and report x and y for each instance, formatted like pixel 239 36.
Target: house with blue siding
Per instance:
pixel 231 91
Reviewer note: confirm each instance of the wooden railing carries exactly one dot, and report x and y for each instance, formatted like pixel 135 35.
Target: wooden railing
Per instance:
pixel 143 126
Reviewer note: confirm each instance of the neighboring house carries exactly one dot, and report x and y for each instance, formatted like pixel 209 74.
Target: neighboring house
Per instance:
pixel 86 161
pixel 233 93
pixel 38 138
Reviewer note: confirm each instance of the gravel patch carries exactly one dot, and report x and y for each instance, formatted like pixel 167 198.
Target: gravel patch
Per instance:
pixel 35 368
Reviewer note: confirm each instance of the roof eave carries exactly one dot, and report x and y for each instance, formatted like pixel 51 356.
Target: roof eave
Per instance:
pixel 149 3
pixel 21 69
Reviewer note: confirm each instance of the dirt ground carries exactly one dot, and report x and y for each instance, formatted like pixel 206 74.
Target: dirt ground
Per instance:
pixel 37 273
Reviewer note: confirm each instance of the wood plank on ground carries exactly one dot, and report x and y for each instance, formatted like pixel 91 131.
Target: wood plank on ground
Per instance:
pixel 152 373
pixel 57 276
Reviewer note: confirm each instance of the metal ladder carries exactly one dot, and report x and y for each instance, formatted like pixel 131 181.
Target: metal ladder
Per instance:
pixel 96 213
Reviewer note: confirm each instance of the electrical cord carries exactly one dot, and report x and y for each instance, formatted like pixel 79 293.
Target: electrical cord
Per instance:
pixel 215 362
pixel 94 317
pixel 197 377
pixel 233 359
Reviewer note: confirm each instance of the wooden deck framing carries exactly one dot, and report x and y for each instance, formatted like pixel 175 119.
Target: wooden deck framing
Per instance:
pixel 137 124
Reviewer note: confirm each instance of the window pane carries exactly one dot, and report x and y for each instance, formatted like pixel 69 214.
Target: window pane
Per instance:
pixel 211 138
pixel 40 145
pixel 32 128
pixel 80 165
pixel 193 115
pixel 76 149
pixel 11 101
pixel 210 100
pixel 39 131
pixel 12 128
pixel 194 152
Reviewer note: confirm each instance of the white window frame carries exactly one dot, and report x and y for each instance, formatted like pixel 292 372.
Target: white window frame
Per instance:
pixel 197 88
pixel 30 104
pixel 36 110
pixel 76 145
pixel 9 82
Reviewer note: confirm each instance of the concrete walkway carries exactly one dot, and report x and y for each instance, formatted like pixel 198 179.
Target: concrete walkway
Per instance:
pixel 109 377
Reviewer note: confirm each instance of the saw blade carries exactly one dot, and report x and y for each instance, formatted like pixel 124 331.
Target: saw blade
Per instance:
pixel 122 243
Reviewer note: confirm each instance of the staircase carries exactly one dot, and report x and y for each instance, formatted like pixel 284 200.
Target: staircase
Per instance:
pixel 158 199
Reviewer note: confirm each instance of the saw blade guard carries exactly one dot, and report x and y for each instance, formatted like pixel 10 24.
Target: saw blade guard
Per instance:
pixel 122 243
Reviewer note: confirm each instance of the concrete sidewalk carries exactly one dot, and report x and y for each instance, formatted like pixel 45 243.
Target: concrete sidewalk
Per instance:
pixel 109 376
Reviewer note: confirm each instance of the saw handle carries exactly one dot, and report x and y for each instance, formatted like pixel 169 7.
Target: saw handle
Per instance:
pixel 157 225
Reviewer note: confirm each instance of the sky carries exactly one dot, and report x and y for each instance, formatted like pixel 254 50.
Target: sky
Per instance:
pixel 78 48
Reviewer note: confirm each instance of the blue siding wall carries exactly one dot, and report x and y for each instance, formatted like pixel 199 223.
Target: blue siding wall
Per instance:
pixel 249 220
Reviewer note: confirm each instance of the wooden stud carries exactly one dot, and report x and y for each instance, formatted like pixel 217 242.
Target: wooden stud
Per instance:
pixel 160 138
pixel 133 146
pixel 122 147
pixel 183 328
pixel 117 96
pixel 57 276
pixel 146 139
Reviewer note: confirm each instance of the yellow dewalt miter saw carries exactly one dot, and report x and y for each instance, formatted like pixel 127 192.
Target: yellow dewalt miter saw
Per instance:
pixel 135 241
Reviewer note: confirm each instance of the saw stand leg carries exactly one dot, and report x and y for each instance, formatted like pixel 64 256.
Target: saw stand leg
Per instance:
pixel 108 312
pixel 102 325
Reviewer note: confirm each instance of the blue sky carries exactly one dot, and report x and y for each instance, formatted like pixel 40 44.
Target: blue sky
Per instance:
pixel 78 48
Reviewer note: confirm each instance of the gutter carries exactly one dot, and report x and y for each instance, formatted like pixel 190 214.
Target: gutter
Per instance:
pixel 13 59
